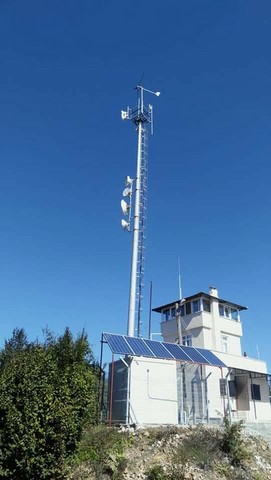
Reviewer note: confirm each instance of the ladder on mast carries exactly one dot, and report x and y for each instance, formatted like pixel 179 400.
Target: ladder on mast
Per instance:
pixel 142 228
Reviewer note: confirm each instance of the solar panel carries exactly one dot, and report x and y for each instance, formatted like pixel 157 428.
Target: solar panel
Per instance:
pixel 211 357
pixel 139 348
pixel 195 356
pixel 177 352
pixel 158 349
pixel 124 345
pixel 118 344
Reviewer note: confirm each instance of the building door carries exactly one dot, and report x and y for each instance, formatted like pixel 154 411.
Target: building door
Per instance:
pixel 242 399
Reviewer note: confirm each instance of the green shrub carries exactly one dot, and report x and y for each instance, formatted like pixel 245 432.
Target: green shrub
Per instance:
pixel 174 472
pixel 156 473
pixel 103 448
pixel 47 393
pixel 232 442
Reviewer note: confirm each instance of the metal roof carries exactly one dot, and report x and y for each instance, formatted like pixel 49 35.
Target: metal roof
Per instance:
pixel 200 294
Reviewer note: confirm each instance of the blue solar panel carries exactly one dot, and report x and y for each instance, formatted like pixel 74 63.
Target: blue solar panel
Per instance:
pixel 118 344
pixel 158 349
pixel 211 358
pixel 124 345
pixel 195 356
pixel 177 352
pixel 139 348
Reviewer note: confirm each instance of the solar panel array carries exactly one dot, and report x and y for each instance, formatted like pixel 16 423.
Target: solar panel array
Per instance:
pixel 139 347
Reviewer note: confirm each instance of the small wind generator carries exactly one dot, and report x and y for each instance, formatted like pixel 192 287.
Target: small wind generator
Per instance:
pixel 142 117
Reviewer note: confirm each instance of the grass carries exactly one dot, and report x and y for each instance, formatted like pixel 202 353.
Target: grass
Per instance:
pixel 215 451
pixel 206 448
pixel 201 447
pixel 103 449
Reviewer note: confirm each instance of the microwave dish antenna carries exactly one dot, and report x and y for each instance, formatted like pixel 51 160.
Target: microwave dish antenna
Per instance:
pixel 128 181
pixel 127 192
pixel 142 117
pixel 125 225
pixel 125 207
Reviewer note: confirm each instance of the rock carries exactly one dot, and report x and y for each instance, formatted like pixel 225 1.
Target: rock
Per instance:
pixel 141 457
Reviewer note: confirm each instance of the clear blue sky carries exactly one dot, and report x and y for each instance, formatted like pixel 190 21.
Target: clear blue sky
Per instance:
pixel 67 69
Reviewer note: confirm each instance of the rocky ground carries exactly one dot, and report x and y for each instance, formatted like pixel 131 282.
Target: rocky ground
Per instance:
pixel 182 453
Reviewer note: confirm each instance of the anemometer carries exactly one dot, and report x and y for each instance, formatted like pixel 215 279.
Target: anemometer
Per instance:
pixel 142 117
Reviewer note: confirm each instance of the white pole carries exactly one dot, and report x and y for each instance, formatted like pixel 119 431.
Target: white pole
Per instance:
pixel 132 298
pixel 178 320
pixel 180 280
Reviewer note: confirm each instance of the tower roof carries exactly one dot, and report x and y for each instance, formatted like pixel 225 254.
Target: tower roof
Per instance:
pixel 197 295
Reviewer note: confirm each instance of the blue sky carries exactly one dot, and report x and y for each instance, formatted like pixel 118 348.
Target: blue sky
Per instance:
pixel 67 69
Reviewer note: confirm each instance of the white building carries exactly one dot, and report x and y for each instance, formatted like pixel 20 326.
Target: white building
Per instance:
pixel 207 393
pixel 144 391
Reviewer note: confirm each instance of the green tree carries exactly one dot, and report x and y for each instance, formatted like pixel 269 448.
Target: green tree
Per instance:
pixel 47 394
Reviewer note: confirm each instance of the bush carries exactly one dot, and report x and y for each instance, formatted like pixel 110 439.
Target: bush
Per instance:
pixel 47 393
pixel 200 447
pixel 156 473
pixel 103 448
pixel 232 442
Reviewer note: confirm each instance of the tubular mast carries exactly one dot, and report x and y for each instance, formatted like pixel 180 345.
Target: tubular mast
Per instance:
pixel 142 226
pixel 141 116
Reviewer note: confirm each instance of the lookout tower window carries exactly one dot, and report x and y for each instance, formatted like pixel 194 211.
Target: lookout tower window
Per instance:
pixel 206 305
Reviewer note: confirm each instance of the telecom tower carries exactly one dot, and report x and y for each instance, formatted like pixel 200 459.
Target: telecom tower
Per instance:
pixel 142 117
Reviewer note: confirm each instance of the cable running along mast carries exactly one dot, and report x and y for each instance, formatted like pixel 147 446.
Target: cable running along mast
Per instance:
pixel 142 117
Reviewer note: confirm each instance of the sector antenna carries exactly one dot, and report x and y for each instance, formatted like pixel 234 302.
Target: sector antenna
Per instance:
pixel 142 117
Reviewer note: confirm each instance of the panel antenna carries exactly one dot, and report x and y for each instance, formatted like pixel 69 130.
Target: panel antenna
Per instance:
pixel 142 117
